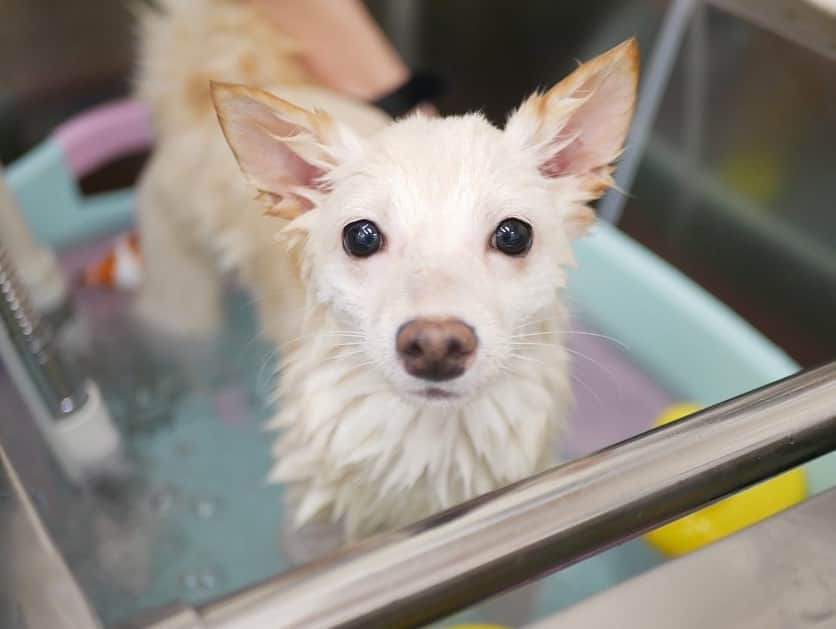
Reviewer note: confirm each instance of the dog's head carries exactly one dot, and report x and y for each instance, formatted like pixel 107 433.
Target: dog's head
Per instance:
pixel 436 240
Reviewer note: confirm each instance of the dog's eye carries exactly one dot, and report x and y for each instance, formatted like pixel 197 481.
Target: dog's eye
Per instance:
pixel 512 237
pixel 362 239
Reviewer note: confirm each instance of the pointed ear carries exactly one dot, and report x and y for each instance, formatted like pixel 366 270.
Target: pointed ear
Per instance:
pixel 579 125
pixel 284 151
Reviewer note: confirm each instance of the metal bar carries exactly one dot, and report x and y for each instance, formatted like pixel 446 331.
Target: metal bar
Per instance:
pixel 693 118
pixel 652 90
pixel 803 23
pixel 558 518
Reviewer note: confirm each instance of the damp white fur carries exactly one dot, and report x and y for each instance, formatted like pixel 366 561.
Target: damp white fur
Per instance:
pixel 359 443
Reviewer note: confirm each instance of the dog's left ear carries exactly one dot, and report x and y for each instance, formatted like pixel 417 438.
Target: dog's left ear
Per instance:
pixel 579 125
pixel 284 151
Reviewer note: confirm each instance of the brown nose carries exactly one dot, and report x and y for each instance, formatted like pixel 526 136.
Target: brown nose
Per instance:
pixel 436 349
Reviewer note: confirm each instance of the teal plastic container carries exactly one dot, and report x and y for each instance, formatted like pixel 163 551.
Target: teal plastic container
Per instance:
pixel 695 347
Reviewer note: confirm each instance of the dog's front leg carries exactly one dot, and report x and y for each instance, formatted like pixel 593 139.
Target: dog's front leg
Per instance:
pixel 181 287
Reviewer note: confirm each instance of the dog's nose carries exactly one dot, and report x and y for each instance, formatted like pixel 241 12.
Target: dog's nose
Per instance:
pixel 436 349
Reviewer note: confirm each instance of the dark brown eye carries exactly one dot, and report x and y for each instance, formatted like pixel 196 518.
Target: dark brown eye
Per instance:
pixel 512 237
pixel 362 239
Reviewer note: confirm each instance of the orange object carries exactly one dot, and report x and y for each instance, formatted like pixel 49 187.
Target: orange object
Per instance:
pixel 120 268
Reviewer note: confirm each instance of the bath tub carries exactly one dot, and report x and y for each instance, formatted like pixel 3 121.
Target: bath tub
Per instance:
pixel 199 522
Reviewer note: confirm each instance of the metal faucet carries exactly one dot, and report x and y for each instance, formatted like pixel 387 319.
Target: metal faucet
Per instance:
pixel 60 387
pixel 67 407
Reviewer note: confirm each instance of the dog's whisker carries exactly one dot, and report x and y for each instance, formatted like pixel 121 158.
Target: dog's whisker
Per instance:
pixel 530 359
pixel 615 381
pixel 534 322
pixel 341 345
pixel 261 376
pixel 612 339
pixel 536 361
pixel 343 355
pixel 329 334
pixel 530 334
pixel 292 343
pixel 558 332
pixel 361 365
pixel 531 343
pixel 589 389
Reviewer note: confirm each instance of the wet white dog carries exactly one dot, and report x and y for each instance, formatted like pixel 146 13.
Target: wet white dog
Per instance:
pixel 415 288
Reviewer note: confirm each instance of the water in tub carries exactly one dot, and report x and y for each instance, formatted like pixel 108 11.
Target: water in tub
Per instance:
pixel 193 519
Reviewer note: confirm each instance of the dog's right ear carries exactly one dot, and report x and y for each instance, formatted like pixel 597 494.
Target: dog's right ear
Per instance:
pixel 578 127
pixel 285 151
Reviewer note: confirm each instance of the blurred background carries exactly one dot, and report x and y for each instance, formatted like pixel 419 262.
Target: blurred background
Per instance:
pixel 737 184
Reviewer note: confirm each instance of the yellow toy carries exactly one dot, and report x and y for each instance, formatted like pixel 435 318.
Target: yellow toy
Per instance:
pixel 729 515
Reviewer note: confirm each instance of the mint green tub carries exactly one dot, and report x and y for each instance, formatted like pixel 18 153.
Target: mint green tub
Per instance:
pixel 676 342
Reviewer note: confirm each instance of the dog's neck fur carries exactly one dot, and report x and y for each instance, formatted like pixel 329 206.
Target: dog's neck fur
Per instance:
pixel 353 450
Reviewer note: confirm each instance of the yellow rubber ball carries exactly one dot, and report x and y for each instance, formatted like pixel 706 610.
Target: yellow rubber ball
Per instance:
pixel 730 514
pixel 676 411
pixel 758 175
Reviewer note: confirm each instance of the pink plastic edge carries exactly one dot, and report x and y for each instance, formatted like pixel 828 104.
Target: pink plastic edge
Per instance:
pixel 102 134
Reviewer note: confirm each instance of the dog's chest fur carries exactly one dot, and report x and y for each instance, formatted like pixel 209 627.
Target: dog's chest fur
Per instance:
pixel 352 450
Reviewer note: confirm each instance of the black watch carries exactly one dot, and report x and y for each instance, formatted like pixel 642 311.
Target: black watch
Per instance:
pixel 421 87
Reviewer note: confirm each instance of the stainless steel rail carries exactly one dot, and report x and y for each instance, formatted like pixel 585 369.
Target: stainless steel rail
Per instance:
pixel 489 545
